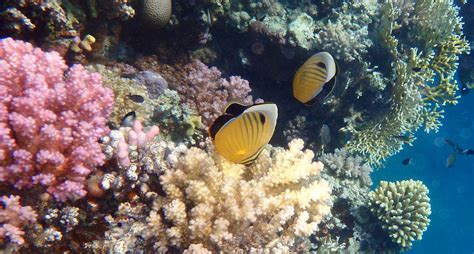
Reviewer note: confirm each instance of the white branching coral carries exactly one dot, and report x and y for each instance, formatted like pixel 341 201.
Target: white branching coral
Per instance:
pixel 343 165
pixel 215 205
pixel 403 208
pixel 347 37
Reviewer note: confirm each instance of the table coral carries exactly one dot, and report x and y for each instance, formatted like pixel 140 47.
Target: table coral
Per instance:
pixel 403 208
pixel 51 118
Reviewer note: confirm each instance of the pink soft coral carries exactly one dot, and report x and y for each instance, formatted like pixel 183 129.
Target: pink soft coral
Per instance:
pixel 50 120
pixel 208 93
pixel 13 217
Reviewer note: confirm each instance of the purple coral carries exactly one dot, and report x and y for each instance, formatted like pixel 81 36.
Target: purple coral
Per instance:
pixel 50 120
pixel 208 93
pixel 13 217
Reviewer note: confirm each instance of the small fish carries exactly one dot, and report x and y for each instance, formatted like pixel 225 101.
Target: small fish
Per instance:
pixel 136 98
pixel 315 79
pixel 128 119
pixel 468 152
pixel 454 145
pixel 464 89
pixel 241 133
pixel 416 69
pixel 325 135
pixel 404 138
pixel 451 160
pixel 406 161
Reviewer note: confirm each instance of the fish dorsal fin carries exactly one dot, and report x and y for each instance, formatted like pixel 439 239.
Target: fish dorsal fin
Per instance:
pixel 218 124
pixel 235 109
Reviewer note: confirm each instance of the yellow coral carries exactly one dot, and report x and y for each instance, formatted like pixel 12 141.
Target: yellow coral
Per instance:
pixel 215 205
pixel 403 208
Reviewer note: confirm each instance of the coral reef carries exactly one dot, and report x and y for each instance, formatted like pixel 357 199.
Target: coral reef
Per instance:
pixel 200 87
pixel 436 58
pixel 343 230
pixel 342 165
pixel 228 207
pixel 213 204
pixel 205 91
pixel 13 217
pixel 403 208
pixel 56 17
pixel 50 120
pixel 124 88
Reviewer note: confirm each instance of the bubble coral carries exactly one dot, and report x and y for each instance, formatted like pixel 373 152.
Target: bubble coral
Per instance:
pixel 51 118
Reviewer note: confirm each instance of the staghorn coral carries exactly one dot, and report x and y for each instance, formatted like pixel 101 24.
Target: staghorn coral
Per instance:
pixel 228 207
pixel 380 138
pixel 403 208
pixel 422 77
pixel 51 118
pixel 13 217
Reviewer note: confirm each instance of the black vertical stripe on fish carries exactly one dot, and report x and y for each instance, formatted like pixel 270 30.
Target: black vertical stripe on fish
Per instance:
pixel 321 65
pixel 315 72
pixel 252 137
pixel 258 129
pixel 325 92
pixel 262 118
pixel 314 76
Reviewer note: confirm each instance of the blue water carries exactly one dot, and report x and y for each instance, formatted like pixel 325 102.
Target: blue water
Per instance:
pixel 451 189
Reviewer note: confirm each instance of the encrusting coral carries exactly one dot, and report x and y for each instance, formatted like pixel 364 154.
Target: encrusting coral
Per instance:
pixel 403 208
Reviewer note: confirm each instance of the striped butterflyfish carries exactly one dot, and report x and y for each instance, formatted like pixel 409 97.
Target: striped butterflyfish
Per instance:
pixel 241 133
pixel 315 79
